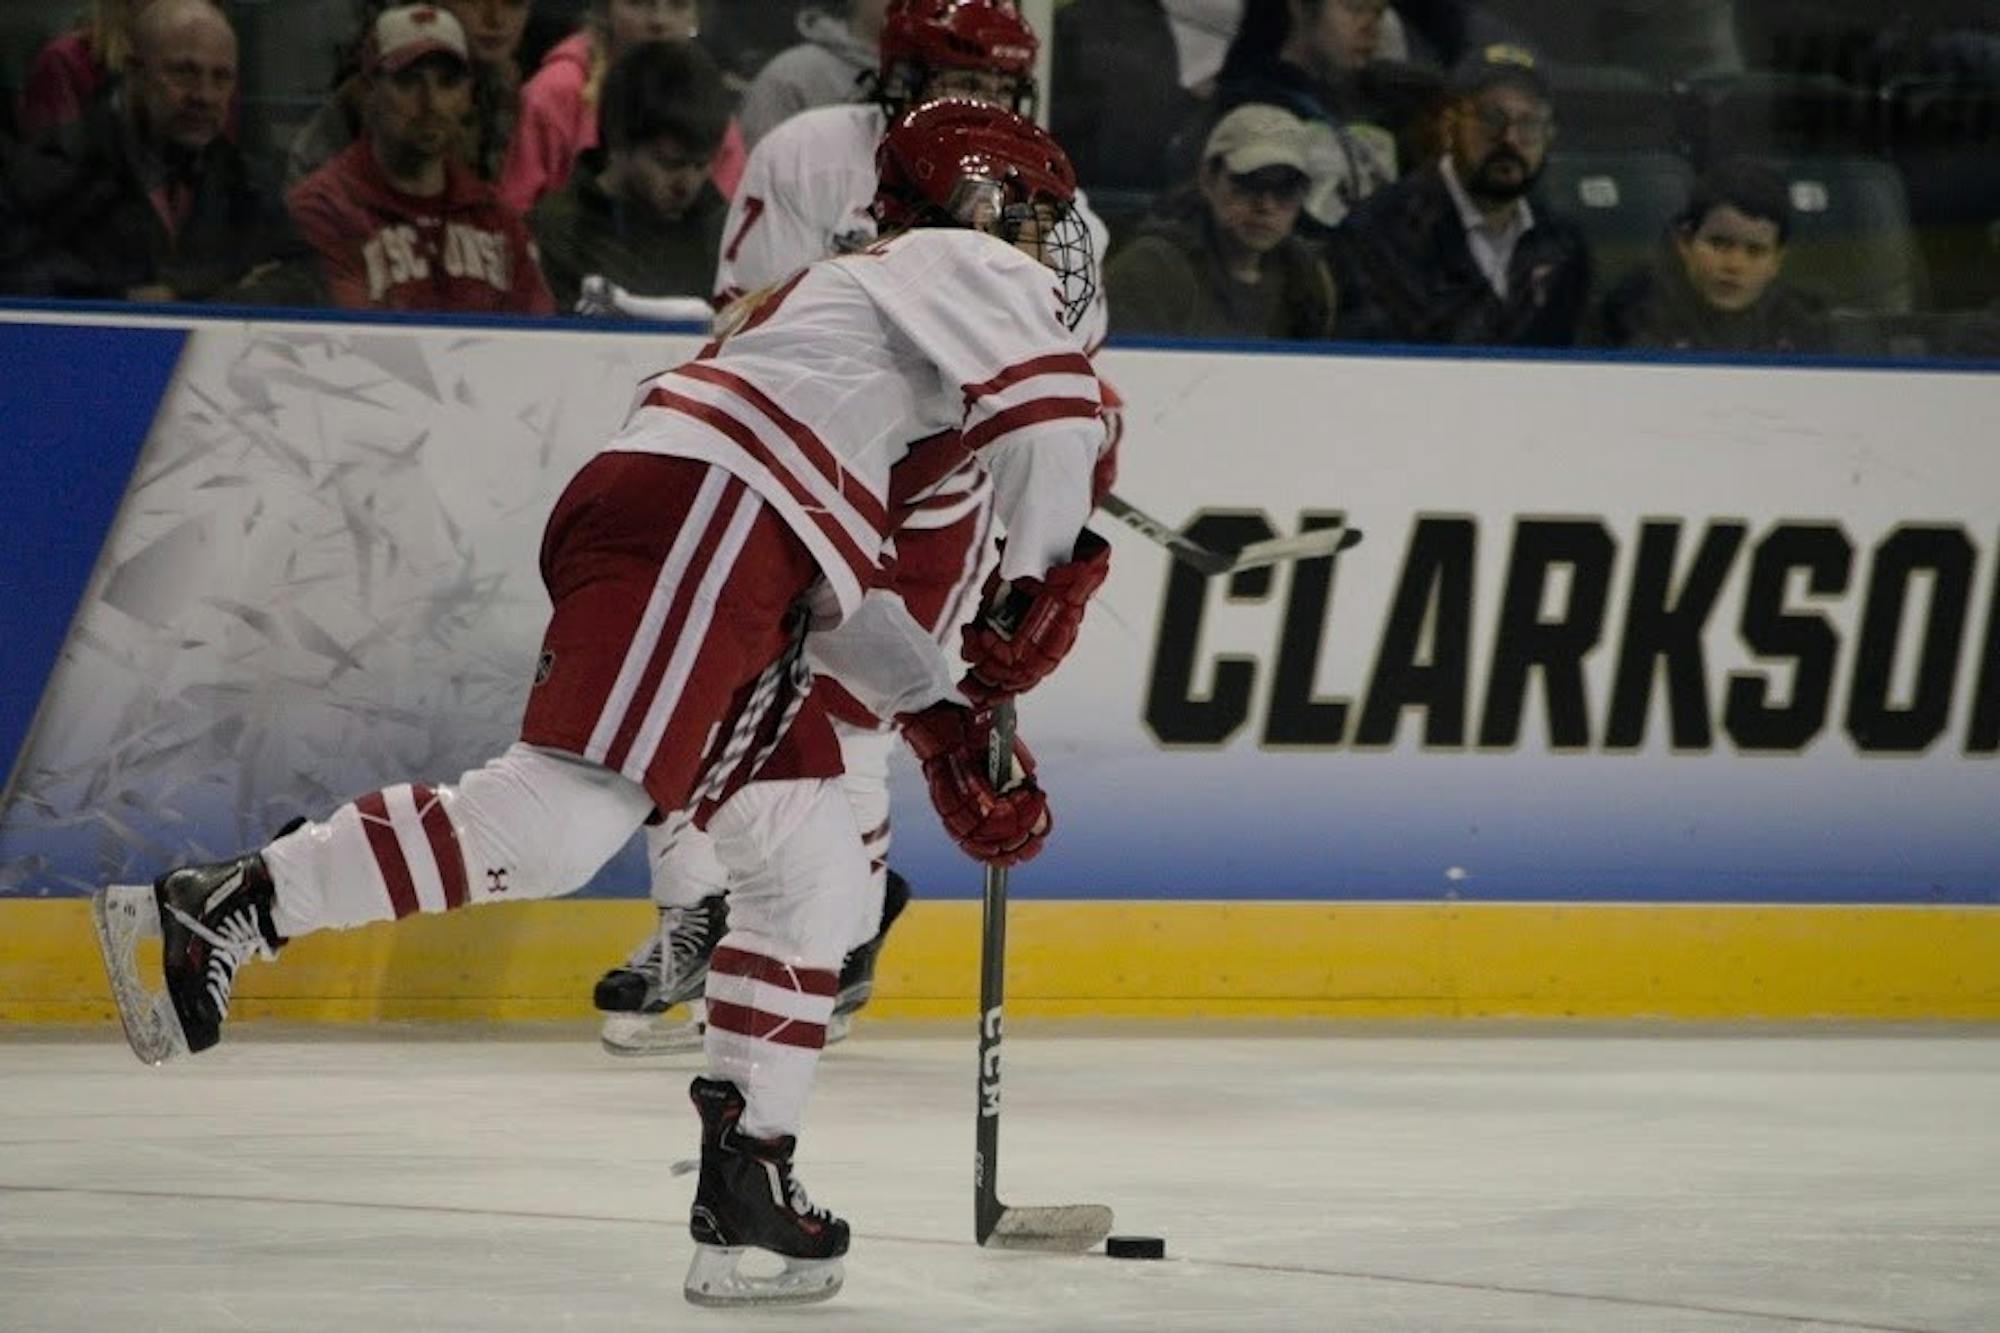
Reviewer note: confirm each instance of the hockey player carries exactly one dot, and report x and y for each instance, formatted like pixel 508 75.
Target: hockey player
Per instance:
pixel 749 496
pixel 807 192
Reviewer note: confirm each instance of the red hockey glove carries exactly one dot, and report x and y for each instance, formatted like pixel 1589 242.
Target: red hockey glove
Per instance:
pixel 1024 632
pixel 998 827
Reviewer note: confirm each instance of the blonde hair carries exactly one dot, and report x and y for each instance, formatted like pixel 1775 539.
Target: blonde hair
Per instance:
pixel 110 30
pixel 733 316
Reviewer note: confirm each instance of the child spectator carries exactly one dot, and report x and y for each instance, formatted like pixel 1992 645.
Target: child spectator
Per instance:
pixel 493 31
pixel 559 104
pixel 1716 283
pixel 143 197
pixel 398 221
pixel 824 68
pixel 641 212
pixel 1456 253
pixel 1225 263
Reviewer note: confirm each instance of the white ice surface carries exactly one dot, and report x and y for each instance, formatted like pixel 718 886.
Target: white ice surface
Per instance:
pixel 1380 1182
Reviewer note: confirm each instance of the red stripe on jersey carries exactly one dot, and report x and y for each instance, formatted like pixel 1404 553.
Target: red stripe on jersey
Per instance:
pixel 672 627
pixel 388 853
pixel 925 464
pixel 733 962
pixel 842 706
pixel 769 305
pixel 946 500
pixel 1028 414
pixel 800 434
pixel 444 845
pixel 744 1021
pixel 1057 363
pixel 746 439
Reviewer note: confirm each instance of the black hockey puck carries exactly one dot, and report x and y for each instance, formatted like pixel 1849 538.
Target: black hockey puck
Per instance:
pixel 1135 1247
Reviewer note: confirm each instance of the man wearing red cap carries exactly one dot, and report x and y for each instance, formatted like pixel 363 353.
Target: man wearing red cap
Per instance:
pixel 398 223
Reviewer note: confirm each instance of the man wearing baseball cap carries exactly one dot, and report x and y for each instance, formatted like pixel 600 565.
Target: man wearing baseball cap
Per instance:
pixel 1458 252
pixel 398 222
pixel 1223 261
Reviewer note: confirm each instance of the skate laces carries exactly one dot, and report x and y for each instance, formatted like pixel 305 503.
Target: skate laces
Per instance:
pixel 795 1195
pixel 686 938
pixel 233 940
pixel 646 958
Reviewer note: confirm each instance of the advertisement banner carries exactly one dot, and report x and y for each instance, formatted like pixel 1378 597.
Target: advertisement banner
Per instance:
pixel 1616 631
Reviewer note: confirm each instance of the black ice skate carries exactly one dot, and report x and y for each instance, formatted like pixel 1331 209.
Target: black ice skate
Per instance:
pixel 670 968
pixel 748 1199
pixel 857 973
pixel 210 919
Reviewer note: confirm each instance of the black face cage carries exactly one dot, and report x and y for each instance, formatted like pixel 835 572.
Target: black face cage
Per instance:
pixel 1067 250
pixel 905 85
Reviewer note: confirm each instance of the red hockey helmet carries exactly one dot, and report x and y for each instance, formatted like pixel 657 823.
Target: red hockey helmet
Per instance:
pixel 960 163
pixel 921 38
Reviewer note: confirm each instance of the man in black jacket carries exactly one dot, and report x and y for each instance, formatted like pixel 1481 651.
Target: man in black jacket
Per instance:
pixel 145 198
pixel 1457 253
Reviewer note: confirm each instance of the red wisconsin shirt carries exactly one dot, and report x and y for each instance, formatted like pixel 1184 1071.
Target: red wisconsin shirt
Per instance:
pixel 382 249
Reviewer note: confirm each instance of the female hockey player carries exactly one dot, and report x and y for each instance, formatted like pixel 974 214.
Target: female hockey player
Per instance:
pixel 807 192
pixel 751 495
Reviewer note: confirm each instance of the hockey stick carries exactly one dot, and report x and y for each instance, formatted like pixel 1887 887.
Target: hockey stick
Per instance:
pixel 1211 562
pixel 1069 1227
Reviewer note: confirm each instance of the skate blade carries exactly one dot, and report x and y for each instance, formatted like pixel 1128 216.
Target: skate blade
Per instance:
pixel 635 1036
pixel 714 1279
pixel 123 915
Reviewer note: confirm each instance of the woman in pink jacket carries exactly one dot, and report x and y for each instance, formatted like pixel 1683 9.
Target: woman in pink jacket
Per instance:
pixel 559 104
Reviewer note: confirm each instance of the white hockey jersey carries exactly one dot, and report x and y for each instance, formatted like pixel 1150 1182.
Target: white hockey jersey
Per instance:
pixel 817 398
pixel 805 194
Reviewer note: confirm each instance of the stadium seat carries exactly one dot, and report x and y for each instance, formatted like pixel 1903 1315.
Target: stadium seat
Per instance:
pixel 1945 138
pixel 1116 99
pixel 1610 107
pixel 1766 114
pixel 1623 201
pixel 1852 241
pixel 1123 211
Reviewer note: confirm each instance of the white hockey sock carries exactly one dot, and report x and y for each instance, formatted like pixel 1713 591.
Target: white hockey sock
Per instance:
pixel 530 824
pixel 796 871
pixel 766 1027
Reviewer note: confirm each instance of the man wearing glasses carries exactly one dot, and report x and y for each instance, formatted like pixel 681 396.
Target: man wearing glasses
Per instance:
pixel 1458 252
pixel 1224 263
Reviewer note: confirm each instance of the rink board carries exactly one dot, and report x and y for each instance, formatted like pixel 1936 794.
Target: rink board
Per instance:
pixel 1212 961
pixel 1641 666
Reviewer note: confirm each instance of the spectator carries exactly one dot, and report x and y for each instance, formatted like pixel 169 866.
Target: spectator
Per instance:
pixel 398 221
pixel 559 104
pixel 1225 263
pixel 1716 284
pixel 1456 253
pixel 746 35
pixel 823 69
pixel 1305 55
pixel 641 212
pixel 67 73
pixel 143 197
pixel 493 30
